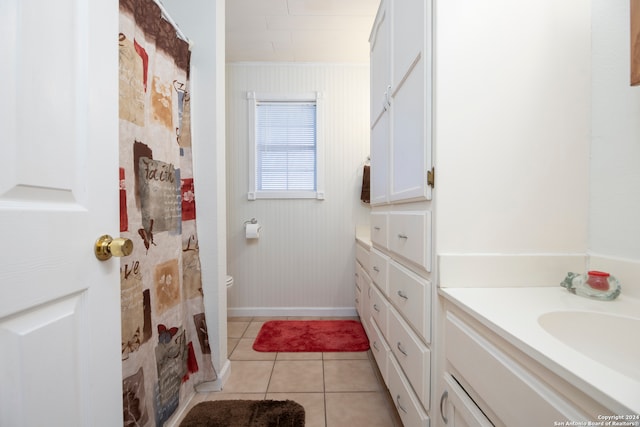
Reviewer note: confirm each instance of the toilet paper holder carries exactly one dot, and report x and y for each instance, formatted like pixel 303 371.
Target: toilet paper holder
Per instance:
pixel 251 221
pixel 252 229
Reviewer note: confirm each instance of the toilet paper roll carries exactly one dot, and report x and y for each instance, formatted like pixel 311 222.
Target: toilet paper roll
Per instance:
pixel 253 231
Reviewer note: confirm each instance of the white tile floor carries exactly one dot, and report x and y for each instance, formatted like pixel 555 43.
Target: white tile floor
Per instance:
pixel 336 389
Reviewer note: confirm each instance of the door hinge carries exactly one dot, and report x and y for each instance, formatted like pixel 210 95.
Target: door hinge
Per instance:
pixel 431 177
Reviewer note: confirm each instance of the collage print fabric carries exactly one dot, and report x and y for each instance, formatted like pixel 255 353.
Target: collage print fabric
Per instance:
pixel 165 347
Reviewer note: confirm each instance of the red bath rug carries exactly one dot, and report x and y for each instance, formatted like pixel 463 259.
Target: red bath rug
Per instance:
pixel 311 336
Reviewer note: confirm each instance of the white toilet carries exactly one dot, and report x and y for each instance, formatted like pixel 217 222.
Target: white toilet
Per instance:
pixel 229 281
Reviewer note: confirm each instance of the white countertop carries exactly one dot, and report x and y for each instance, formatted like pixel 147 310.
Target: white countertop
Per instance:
pixel 513 314
pixel 363 235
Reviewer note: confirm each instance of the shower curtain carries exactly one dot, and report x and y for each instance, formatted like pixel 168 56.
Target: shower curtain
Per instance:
pixel 165 348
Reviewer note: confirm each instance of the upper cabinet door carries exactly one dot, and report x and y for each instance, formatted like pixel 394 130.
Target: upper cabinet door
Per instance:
pixel 380 63
pixel 411 158
pixel 380 160
pixel 409 37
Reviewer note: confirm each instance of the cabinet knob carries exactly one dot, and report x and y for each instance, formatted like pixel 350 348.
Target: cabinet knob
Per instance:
pixel 443 399
pixel 400 405
pixel 400 349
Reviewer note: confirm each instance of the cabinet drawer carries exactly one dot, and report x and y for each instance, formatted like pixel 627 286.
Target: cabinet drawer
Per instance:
pixel 379 229
pixel 380 351
pixel 365 300
pixel 362 256
pixel 411 294
pixel 410 236
pixel 412 355
pixel 379 309
pixel 379 270
pixel 406 402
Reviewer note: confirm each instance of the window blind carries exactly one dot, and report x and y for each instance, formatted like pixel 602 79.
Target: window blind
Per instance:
pixel 286 151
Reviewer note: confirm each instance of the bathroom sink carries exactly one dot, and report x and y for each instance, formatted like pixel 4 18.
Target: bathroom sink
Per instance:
pixel 606 338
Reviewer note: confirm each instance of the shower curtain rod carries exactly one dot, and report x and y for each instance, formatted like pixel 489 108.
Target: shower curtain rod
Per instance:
pixel 167 17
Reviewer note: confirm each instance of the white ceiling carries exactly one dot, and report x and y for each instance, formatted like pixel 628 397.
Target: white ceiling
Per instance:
pixel 299 30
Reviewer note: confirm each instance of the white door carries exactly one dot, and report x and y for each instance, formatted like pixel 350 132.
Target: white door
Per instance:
pixel 59 306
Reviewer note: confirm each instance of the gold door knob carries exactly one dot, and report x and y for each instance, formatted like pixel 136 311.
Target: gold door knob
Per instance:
pixel 106 247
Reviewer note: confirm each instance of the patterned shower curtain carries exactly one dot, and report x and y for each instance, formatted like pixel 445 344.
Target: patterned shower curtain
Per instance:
pixel 165 348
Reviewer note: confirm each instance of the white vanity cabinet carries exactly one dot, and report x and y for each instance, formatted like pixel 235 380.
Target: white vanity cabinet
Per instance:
pixel 401 257
pixel 362 284
pixel 491 127
pixel 457 409
pixel 488 381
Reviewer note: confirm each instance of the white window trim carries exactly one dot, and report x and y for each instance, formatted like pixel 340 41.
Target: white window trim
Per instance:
pixel 317 97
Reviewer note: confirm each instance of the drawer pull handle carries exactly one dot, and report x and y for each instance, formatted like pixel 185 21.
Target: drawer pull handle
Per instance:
pixel 375 345
pixel 401 350
pixel 402 295
pixel 357 301
pixel 400 405
pixel 403 236
pixel 376 228
pixel 357 275
pixel 376 269
pixel 375 307
pixel 443 399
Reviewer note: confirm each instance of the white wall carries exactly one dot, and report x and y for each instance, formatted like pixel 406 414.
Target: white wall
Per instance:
pixel 512 113
pixel 614 227
pixel 303 262
pixel 614 210
pixel 203 22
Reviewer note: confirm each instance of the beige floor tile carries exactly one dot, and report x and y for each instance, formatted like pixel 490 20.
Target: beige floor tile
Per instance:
pixel 358 409
pixel 239 319
pixel 313 404
pixel 249 377
pixel 253 329
pixel 267 318
pixel 296 376
pixel 299 356
pixel 244 351
pixel 350 375
pixel 231 345
pixel 337 389
pixel 236 329
pixel 341 355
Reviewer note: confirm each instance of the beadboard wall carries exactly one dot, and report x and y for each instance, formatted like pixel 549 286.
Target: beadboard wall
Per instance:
pixel 303 262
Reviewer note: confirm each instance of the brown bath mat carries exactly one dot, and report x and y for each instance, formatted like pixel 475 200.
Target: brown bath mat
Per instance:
pixel 245 413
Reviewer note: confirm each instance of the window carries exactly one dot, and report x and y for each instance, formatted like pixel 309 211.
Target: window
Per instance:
pixel 286 146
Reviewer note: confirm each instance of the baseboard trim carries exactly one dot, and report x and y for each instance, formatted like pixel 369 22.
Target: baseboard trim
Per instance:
pixel 291 311
pixel 218 384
